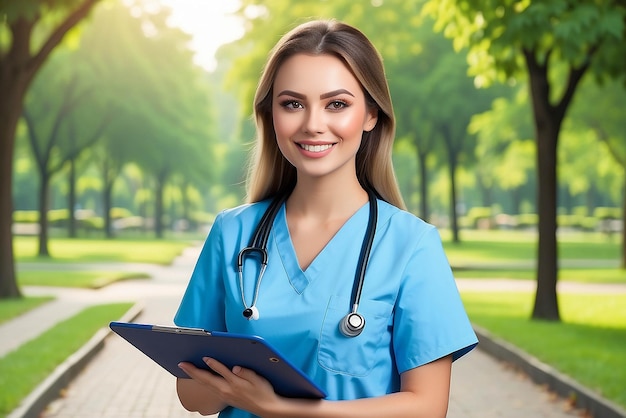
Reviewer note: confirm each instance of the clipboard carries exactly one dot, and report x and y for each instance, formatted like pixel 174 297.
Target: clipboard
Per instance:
pixel 168 346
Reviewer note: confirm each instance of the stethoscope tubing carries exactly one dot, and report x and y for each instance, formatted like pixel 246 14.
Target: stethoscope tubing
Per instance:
pixel 258 245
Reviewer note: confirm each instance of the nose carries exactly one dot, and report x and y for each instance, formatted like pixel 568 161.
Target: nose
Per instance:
pixel 314 122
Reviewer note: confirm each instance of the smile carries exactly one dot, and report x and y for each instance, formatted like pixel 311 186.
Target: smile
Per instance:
pixel 315 148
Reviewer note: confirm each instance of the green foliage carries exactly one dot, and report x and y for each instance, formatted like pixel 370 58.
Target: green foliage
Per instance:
pixel 23 369
pixel 26 216
pixel 607 213
pixel 118 213
pixel 568 30
pixel 476 215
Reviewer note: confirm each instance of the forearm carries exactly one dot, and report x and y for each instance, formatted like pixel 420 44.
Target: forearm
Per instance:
pixel 196 398
pixel 402 404
pixel 425 394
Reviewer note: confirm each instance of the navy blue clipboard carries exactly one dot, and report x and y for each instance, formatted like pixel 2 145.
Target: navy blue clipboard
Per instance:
pixel 168 346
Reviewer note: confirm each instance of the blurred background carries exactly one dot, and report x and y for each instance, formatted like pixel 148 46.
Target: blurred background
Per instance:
pixel 138 119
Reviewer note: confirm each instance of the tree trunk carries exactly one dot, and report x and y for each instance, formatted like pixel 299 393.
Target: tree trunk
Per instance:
pixel 546 134
pixel 107 198
pixel 454 221
pixel 44 199
pixel 624 223
pixel 452 163
pixel 546 304
pixel 158 208
pixel 108 205
pixel 548 119
pixel 424 210
pixel 11 99
pixel 71 201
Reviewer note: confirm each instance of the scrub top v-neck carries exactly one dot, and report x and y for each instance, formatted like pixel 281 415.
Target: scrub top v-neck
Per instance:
pixel 410 302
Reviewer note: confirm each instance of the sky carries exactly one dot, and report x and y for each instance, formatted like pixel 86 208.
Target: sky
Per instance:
pixel 210 22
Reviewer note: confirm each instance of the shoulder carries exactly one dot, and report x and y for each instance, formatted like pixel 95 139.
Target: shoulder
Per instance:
pixel 401 229
pixel 243 214
pixel 394 218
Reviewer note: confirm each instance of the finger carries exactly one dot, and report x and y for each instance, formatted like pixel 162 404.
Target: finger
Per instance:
pixel 199 374
pixel 217 367
pixel 191 370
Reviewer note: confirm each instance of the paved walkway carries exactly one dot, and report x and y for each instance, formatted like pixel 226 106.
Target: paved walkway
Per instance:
pixel 121 382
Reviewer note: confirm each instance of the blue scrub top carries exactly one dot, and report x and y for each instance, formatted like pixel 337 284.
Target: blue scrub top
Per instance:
pixel 412 308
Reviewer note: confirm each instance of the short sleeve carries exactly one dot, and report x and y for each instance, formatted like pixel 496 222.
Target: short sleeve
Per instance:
pixel 430 321
pixel 202 305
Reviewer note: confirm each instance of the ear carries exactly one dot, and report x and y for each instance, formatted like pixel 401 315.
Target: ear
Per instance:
pixel 370 119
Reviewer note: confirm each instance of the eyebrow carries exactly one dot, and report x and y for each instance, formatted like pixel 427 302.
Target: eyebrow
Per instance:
pixel 322 96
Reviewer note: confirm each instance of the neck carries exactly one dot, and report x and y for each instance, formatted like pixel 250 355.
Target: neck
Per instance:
pixel 326 199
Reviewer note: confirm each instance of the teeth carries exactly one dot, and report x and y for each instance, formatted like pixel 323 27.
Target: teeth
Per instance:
pixel 315 148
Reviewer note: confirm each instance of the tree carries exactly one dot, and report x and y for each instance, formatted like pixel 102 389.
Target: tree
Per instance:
pixel 163 123
pixel 58 106
pixel 20 60
pixel 539 40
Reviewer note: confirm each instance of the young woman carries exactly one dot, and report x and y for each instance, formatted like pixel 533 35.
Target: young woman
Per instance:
pixel 325 134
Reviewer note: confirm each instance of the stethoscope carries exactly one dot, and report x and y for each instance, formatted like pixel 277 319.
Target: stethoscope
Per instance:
pixel 353 323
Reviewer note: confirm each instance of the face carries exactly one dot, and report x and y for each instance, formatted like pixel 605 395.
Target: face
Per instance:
pixel 319 114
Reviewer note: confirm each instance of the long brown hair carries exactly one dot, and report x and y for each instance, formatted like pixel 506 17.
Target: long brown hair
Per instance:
pixel 270 173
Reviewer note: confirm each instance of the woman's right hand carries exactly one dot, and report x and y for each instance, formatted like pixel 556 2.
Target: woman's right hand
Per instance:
pixel 208 393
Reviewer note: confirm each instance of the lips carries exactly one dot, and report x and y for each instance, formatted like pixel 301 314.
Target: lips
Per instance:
pixel 315 148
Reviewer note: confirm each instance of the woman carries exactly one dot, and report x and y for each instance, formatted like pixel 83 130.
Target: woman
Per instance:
pixel 325 134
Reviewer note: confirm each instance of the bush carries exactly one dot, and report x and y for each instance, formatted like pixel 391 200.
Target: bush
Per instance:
pixel 607 213
pixel 527 220
pixel 479 216
pixel 570 221
pixel 119 213
pixel 26 216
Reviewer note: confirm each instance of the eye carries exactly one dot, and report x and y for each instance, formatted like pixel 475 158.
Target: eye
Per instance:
pixel 291 104
pixel 337 105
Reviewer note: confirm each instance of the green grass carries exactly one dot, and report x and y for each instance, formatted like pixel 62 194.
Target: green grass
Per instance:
pixel 583 257
pixel 588 345
pixel 505 246
pixel 74 278
pixel 11 308
pixel 23 369
pixel 101 250
pixel 599 275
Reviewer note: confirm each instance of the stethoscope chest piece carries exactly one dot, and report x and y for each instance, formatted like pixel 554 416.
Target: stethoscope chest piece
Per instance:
pixel 251 313
pixel 352 324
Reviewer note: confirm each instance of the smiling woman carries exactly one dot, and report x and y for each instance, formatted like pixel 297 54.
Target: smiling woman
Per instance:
pixel 210 23
pixel 321 181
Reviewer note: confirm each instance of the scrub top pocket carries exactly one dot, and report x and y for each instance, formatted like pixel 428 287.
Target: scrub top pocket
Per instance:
pixel 353 356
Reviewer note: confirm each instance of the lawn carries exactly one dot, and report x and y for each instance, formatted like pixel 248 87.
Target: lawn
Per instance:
pixel 10 308
pixel 583 257
pixel 588 345
pixel 87 279
pixel 66 253
pixel 63 250
pixel 23 369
